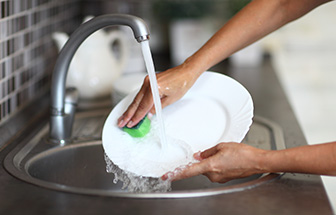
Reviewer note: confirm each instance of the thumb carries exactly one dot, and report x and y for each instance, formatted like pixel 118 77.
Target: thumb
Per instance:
pixel 189 171
pixel 209 152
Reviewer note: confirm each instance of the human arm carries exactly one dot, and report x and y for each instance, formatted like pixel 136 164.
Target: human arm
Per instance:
pixel 253 22
pixel 227 161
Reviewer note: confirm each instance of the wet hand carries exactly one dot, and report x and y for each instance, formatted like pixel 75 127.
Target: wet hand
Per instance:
pixel 222 163
pixel 172 84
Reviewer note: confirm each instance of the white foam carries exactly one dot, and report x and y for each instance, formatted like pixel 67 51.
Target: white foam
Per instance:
pixel 140 184
pixel 147 158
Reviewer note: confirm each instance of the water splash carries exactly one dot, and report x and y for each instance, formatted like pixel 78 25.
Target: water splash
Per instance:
pixel 135 183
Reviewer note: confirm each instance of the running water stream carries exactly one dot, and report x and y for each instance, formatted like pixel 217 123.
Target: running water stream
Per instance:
pixel 132 182
pixel 155 91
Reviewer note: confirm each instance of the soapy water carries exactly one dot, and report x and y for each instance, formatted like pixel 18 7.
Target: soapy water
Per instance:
pixel 152 160
pixel 134 183
pixel 140 184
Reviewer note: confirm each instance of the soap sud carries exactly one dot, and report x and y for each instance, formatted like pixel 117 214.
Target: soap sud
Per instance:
pixel 144 184
pixel 140 184
pixel 146 156
pixel 135 183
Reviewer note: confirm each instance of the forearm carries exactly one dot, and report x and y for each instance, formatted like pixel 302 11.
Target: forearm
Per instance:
pixel 256 20
pixel 313 159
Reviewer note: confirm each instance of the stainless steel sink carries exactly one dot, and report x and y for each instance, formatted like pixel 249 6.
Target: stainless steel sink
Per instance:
pixel 79 167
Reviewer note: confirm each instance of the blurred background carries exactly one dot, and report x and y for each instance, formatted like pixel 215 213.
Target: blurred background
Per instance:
pixel 303 52
pixel 303 55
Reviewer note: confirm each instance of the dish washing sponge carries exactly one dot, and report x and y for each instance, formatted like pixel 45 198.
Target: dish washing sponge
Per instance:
pixel 140 129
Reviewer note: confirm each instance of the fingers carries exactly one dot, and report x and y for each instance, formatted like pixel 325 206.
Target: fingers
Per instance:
pixel 207 166
pixel 173 174
pixel 142 109
pixel 194 169
pixel 209 152
pixel 140 106
pixel 125 119
pixel 197 156
pixel 172 86
pixel 189 171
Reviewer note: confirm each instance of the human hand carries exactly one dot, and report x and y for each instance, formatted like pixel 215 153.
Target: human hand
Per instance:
pixel 222 163
pixel 172 83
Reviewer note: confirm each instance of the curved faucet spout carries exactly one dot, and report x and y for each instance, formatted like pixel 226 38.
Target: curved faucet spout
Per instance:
pixel 59 122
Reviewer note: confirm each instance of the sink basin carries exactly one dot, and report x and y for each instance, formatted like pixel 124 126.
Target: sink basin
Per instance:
pixel 79 167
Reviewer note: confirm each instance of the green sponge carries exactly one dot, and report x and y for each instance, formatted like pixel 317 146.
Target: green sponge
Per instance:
pixel 140 129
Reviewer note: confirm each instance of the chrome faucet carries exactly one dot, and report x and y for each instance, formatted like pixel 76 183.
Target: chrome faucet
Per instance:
pixel 63 104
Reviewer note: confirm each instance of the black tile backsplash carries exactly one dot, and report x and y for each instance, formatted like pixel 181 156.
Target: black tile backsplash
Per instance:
pixel 27 52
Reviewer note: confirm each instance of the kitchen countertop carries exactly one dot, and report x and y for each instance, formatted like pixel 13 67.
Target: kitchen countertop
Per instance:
pixel 291 194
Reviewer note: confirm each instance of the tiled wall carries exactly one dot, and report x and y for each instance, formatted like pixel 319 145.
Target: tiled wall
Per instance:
pixel 27 52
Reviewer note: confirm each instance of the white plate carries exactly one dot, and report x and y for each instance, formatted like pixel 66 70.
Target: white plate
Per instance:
pixel 216 109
